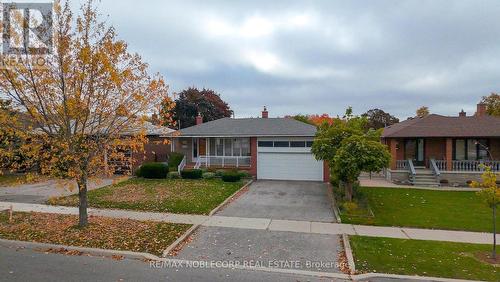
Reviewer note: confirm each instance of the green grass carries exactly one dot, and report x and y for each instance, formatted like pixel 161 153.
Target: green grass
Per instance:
pixel 198 196
pixel 425 258
pixel 424 209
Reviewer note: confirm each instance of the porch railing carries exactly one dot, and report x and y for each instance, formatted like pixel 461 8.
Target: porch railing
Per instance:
pixel 470 165
pixel 224 161
pixel 181 166
pixel 402 164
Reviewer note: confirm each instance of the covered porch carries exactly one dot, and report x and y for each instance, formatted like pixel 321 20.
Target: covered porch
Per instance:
pixel 445 154
pixel 216 152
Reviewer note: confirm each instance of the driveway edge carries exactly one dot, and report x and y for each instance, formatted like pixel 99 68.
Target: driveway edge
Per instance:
pixel 335 209
pixel 348 253
pixel 230 198
pixel 181 239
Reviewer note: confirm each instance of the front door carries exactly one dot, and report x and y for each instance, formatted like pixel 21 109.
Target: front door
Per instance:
pixel 202 143
pixel 415 151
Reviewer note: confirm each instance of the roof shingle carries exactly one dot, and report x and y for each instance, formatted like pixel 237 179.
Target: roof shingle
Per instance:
pixel 256 127
pixel 443 126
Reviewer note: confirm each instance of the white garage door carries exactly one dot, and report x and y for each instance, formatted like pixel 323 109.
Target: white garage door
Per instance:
pixel 289 166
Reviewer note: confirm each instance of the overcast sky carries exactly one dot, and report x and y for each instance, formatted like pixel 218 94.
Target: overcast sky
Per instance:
pixel 320 56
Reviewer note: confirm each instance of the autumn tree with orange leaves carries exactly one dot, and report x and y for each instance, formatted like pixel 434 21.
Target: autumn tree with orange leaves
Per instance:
pixel 85 106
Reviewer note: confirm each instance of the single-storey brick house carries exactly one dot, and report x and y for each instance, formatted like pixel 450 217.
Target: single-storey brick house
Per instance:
pixel 444 149
pixel 268 148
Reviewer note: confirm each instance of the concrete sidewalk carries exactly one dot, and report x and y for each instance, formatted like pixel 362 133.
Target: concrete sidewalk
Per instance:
pixel 270 224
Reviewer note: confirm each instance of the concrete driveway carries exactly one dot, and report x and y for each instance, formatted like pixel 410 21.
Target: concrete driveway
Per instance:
pixel 289 200
pixel 38 193
pixel 286 200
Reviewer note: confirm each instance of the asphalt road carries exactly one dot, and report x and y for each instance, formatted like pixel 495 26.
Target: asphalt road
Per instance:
pixel 30 265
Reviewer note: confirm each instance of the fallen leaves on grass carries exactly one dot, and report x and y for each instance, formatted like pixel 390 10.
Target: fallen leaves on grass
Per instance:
pixel 104 233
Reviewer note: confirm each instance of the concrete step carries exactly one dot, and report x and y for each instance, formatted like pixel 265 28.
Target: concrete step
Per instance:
pixel 425 183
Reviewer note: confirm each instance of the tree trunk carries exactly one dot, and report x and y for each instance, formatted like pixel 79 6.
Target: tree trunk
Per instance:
pixel 82 206
pixel 494 253
pixel 348 190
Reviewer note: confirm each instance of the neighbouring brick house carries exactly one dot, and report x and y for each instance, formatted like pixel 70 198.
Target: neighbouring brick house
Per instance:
pixel 268 148
pixel 157 148
pixel 444 149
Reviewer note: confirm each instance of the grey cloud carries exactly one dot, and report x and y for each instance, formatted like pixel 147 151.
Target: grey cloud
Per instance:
pixel 395 55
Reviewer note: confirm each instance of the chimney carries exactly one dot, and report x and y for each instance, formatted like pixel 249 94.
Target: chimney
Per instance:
pixel 199 119
pixel 462 113
pixel 481 110
pixel 265 113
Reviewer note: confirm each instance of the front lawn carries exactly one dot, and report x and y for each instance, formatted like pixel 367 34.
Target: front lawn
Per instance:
pixel 198 196
pixel 423 209
pixel 425 258
pixel 104 233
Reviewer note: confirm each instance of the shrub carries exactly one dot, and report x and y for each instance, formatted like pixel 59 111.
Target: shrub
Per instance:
pixel 174 159
pixel 173 175
pixel 231 176
pixel 191 173
pixel 219 172
pixel 208 175
pixel 244 174
pixel 153 170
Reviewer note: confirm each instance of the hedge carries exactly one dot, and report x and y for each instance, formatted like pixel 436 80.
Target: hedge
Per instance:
pixel 192 173
pixel 208 175
pixel 153 170
pixel 173 175
pixel 231 176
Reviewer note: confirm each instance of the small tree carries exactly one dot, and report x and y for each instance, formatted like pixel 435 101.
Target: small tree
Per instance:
pixel 490 193
pixel 422 112
pixel 358 154
pixel 379 119
pixel 350 149
pixel 492 104
pixel 86 105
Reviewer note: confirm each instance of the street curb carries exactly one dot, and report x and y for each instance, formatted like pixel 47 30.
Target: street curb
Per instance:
pixel 230 198
pixel 348 253
pixel 87 250
pixel 397 276
pixel 335 209
pixel 181 239
pixel 148 256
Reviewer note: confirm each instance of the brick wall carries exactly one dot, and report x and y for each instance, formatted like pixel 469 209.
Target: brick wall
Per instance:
pixel 156 150
pixel 253 156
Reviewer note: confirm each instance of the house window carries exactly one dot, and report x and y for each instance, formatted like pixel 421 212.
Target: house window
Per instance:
pixel 228 148
pixel 265 143
pixel 297 144
pixel 309 144
pixel 245 147
pixel 281 144
pixel 471 149
pixel 482 149
pixel 219 147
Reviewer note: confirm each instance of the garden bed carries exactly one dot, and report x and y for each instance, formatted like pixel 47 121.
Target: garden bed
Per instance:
pixel 103 233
